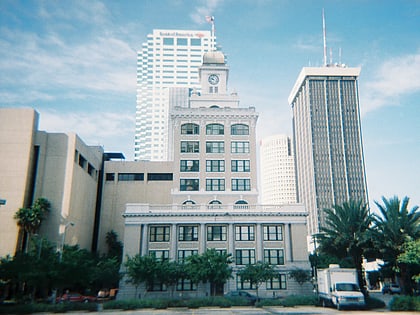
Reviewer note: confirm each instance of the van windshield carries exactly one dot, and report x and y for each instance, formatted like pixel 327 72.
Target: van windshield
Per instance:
pixel 347 287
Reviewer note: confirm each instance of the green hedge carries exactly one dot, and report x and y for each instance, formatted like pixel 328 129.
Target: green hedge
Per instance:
pixel 405 303
pixel 289 301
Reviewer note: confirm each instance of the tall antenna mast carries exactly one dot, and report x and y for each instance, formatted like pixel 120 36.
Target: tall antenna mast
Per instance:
pixel 324 35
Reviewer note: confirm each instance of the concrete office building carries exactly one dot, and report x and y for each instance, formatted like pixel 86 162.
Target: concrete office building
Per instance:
pixel 168 60
pixel 277 170
pixel 327 140
pixel 57 166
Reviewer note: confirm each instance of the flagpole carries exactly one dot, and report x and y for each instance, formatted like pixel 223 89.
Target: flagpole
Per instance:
pixel 210 19
pixel 212 33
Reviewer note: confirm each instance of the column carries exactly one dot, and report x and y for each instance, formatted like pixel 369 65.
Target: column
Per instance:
pixel 288 243
pixel 144 239
pixel 202 239
pixel 259 243
pixel 231 240
pixel 173 243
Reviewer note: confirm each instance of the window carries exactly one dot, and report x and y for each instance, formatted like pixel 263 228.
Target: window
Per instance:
pixel 277 283
pixel 245 233
pixel 190 165
pixel 123 177
pixel 240 166
pixel 241 184
pixel 159 176
pixel 182 41
pixel 215 184
pixel 215 129
pixel 216 233
pixel 215 147
pixel 188 233
pixel 245 256
pixel 82 161
pixel 186 285
pixel 91 170
pixel 239 129
pixel 189 184
pixel 184 254
pixel 274 256
pixel 157 286
pixel 159 233
pixel 190 129
pixel 168 41
pixel 273 233
pixel 243 285
pixel 195 41
pixel 239 147
pixel 190 147
pixel 215 166
pixel 110 176
pixel 160 255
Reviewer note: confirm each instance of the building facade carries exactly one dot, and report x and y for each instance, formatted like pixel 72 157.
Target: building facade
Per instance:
pixel 57 166
pixel 167 68
pixel 215 198
pixel 327 138
pixel 277 170
pixel 250 233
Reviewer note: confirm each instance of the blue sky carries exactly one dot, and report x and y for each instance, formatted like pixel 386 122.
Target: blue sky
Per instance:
pixel 75 63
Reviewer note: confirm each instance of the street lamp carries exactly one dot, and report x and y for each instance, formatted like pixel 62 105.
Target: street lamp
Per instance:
pixel 64 237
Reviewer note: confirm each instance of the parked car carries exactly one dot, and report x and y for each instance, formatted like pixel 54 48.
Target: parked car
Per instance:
pixel 244 295
pixel 391 289
pixel 75 297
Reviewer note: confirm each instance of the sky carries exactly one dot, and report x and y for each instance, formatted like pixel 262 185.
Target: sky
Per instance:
pixel 75 63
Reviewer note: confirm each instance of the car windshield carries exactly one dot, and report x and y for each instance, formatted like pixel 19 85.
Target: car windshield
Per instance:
pixel 347 287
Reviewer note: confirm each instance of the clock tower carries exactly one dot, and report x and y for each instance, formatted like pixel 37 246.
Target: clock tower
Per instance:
pixel 214 74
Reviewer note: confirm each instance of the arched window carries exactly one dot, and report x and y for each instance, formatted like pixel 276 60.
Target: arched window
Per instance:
pixel 215 204
pixel 189 202
pixel 215 129
pixel 241 204
pixel 239 129
pixel 190 129
pixel 214 106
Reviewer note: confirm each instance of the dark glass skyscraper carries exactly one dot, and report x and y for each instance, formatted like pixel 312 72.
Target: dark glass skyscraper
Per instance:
pixel 327 140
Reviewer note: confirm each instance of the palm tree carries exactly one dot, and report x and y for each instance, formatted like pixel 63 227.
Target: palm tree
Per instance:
pixel 346 234
pixel 30 219
pixel 395 226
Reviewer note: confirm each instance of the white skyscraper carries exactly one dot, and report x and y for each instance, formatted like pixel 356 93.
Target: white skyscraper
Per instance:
pixel 167 70
pixel 278 178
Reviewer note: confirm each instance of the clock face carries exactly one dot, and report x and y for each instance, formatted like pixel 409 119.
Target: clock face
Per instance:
pixel 213 79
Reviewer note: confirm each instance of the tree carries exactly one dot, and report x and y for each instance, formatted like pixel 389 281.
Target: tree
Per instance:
pixel 347 233
pixel 257 274
pixel 141 269
pixel 30 219
pixel 411 258
pixel 300 276
pixel 169 272
pixel 115 247
pixel 395 226
pixel 212 267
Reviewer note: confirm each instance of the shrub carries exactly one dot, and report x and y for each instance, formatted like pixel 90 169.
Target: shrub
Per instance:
pixel 372 303
pixel 405 303
pixel 294 300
